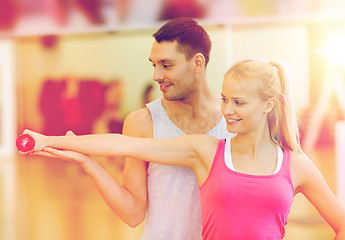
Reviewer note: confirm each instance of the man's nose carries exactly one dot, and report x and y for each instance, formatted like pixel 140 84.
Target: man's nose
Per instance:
pixel 157 75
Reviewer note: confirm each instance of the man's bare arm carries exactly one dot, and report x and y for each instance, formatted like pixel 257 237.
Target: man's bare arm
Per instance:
pixel 128 201
pixel 137 124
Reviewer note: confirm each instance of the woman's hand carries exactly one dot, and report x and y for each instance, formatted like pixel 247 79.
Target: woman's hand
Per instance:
pixel 67 155
pixel 40 140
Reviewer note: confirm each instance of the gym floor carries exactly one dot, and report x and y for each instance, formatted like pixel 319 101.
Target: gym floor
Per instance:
pixel 51 199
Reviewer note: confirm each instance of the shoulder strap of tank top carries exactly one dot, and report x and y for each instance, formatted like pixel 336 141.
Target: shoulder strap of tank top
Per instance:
pixel 155 107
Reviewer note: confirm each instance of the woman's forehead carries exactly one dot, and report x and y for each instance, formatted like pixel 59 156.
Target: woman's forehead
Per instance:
pixel 243 87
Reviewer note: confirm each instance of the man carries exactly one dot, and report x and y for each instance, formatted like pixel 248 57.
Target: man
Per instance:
pixel 167 196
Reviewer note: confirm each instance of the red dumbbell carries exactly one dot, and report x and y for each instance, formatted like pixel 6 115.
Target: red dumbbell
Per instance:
pixel 25 143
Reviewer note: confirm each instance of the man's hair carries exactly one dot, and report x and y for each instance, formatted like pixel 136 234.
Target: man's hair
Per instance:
pixel 190 36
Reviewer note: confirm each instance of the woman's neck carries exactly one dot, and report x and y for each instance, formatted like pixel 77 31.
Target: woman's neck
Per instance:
pixel 253 144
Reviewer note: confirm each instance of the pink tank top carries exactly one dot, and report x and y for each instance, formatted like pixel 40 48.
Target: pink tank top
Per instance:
pixel 237 206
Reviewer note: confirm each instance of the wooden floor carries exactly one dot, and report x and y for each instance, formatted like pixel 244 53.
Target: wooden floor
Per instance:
pixel 45 199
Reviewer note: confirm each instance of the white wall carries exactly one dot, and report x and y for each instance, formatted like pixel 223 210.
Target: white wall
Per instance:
pixel 7 99
pixel 283 42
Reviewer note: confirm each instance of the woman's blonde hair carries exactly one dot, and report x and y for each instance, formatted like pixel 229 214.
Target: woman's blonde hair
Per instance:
pixel 271 81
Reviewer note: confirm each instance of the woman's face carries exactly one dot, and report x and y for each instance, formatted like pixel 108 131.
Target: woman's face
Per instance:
pixel 243 109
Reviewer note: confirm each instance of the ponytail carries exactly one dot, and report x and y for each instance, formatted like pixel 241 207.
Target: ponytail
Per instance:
pixel 283 120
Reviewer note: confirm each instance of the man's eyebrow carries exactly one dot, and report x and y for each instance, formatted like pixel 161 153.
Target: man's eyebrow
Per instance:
pixel 164 60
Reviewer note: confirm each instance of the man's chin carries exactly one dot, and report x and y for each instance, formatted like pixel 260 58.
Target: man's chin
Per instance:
pixel 168 97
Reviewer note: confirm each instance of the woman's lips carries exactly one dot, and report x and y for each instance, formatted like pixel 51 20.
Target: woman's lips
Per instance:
pixel 232 120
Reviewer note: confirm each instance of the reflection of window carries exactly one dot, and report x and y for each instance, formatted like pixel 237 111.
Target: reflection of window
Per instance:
pixel 39 17
pixel 186 8
pixel 8 14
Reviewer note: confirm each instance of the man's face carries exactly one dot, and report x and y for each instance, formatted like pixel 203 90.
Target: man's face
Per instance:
pixel 172 71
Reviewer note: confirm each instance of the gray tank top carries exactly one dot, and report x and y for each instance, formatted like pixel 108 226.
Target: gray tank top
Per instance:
pixel 173 211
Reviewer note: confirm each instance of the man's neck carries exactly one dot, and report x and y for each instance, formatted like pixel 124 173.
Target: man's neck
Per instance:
pixel 198 115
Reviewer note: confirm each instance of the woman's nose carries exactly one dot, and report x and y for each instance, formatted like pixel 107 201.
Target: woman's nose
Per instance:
pixel 228 109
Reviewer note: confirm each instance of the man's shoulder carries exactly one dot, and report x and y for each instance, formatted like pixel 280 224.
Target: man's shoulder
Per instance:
pixel 138 123
pixel 142 114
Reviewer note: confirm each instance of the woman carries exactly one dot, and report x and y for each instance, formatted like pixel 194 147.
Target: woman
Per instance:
pixel 247 183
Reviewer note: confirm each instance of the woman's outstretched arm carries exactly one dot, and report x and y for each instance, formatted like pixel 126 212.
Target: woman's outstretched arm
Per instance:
pixel 187 150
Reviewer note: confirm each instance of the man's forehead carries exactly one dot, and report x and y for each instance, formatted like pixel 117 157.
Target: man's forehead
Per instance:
pixel 164 46
pixel 164 52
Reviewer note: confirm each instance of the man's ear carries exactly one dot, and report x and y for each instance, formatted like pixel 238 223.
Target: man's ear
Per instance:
pixel 270 103
pixel 199 61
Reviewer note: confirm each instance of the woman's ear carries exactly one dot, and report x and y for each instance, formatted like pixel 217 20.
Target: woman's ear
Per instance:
pixel 199 61
pixel 270 103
